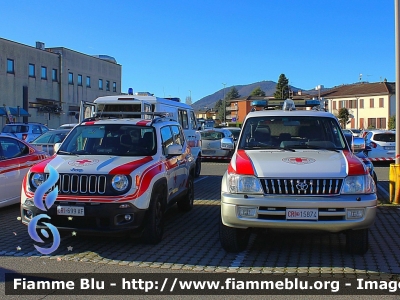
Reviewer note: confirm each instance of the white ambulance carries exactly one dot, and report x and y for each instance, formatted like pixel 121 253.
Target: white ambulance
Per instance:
pixel 293 169
pixel 123 106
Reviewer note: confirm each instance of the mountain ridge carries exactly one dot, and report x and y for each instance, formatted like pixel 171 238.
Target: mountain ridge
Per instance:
pixel 269 87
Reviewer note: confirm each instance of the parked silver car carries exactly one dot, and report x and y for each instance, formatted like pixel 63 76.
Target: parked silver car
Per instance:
pixel 46 141
pixel 211 142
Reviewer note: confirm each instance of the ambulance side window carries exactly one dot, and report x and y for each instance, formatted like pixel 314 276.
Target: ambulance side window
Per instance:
pixel 193 121
pixel 183 118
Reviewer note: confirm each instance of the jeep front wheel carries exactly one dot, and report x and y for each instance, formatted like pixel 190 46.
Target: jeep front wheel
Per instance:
pixel 233 239
pixel 197 167
pixel 357 241
pixel 186 203
pixel 154 223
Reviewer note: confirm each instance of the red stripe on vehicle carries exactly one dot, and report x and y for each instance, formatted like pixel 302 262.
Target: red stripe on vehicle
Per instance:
pixel 39 168
pixel 89 123
pixel 354 165
pixel 143 122
pixel 241 164
pixel 128 168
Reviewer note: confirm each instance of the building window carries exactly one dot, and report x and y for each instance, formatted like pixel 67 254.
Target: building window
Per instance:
pixel 10 66
pixel 371 123
pixel 107 85
pixel 361 123
pixel 80 79
pixel 361 103
pixel 381 103
pixel 100 84
pixel 54 75
pixel 334 104
pixel 352 103
pixel 381 123
pixel 31 70
pixel 88 81
pixel 371 102
pixel 43 73
pixel 114 87
pixel 70 78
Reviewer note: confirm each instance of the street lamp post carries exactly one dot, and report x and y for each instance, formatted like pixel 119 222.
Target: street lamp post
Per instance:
pixel 224 104
pixel 190 96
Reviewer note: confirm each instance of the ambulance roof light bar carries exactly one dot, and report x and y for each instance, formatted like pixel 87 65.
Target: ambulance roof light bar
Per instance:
pixel 288 104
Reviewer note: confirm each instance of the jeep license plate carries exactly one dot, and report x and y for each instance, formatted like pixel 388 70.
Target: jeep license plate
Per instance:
pixel 70 211
pixel 301 214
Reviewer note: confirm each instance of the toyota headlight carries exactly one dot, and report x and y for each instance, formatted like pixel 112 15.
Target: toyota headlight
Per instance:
pixel 120 183
pixel 240 184
pixel 362 184
pixel 37 179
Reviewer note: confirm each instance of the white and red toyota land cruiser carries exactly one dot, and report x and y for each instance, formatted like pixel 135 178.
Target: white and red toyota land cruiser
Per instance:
pixel 116 176
pixel 295 170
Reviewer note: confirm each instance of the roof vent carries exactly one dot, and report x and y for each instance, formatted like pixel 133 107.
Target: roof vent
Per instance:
pixel 40 45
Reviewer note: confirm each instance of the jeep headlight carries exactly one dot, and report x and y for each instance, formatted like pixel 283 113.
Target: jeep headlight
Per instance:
pixel 120 183
pixel 362 184
pixel 37 179
pixel 240 184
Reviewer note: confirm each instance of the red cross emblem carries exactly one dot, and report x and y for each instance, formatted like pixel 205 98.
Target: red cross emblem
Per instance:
pixel 83 162
pixel 298 160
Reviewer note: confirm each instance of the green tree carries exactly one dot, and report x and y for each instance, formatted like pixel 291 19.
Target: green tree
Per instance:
pixel 232 94
pixel 258 92
pixel 343 116
pixel 392 122
pixel 219 108
pixel 282 88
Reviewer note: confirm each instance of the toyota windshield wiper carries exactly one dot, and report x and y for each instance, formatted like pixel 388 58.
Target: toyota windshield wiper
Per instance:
pixel 318 147
pixel 66 152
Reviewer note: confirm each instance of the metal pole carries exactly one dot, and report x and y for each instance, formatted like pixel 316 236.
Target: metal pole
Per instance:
pixel 224 104
pixel 394 177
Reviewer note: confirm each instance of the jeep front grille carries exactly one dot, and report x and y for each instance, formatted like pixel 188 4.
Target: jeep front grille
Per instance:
pixel 81 184
pixel 302 186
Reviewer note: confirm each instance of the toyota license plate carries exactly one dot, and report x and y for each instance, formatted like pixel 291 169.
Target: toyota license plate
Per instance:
pixel 70 211
pixel 301 214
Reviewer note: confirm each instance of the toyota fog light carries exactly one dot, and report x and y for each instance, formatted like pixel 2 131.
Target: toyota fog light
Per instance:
pixel 355 213
pixel 247 212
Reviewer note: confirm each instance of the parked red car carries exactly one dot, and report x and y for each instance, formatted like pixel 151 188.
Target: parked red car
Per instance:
pixel 16 157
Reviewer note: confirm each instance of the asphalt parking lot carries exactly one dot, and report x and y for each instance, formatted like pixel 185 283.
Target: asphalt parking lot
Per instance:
pixel 191 243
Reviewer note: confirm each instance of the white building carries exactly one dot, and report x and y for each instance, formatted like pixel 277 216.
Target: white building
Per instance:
pixel 370 104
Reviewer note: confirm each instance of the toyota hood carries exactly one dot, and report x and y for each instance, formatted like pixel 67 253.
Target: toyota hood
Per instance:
pixel 302 163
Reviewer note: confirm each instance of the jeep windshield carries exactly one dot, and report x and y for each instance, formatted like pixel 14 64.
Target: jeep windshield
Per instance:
pixel 110 139
pixel 291 133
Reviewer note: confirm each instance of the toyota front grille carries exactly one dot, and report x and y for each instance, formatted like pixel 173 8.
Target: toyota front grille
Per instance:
pixel 302 186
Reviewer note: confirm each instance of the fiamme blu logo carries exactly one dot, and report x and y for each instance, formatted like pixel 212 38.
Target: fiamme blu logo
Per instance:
pixel 44 206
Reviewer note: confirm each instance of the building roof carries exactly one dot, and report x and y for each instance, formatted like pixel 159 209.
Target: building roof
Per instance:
pixel 360 89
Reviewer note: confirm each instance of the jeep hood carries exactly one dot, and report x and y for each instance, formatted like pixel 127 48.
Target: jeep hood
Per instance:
pixel 93 164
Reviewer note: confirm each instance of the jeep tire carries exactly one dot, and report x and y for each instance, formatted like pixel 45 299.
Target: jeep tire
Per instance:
pixel 233 239
pixel 197 170
pixel 357 241
pixel 186 203
pixel 154 222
